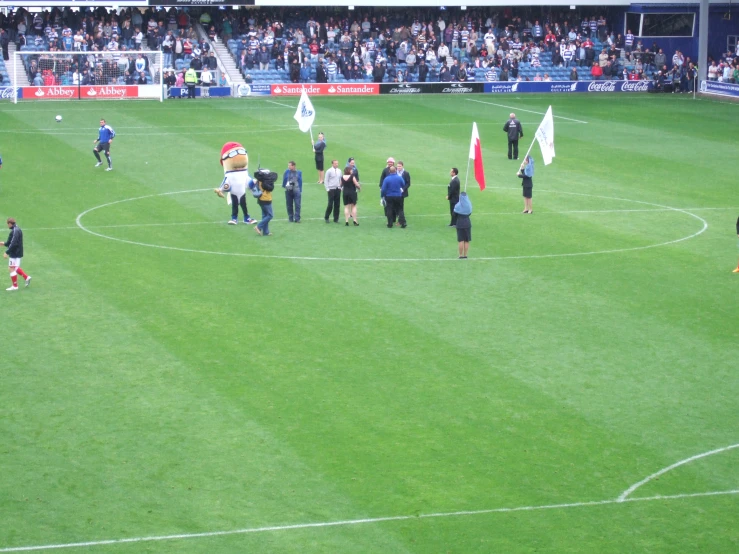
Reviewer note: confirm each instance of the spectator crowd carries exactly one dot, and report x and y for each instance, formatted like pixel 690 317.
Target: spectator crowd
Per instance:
pixel 380 45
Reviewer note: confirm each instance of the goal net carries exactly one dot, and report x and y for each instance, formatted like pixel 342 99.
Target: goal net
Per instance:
pixel 89 75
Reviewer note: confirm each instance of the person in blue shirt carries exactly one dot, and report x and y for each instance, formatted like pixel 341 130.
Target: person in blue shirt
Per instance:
pixel 106 134
pixel 292 182
pixel 392 193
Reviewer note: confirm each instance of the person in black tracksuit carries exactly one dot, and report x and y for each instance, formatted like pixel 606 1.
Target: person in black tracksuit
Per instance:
pixel 452 194
pixel 515 132
pixel 14 253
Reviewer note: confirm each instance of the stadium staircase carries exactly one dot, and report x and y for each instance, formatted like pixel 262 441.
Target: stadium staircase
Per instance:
pixel 226 62
pixel 20 75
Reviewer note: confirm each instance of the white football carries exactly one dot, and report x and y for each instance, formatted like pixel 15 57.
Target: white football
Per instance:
pixel 58 118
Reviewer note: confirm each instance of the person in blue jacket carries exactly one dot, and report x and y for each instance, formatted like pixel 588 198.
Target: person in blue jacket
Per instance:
pixel 392 193
pixel 292 182
pixel 463 209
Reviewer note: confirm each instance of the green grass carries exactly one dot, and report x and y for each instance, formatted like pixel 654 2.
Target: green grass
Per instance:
pixel 217 381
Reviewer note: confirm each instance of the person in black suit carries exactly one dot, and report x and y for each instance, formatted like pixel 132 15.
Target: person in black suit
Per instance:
pixel 407 179
pixel 452 195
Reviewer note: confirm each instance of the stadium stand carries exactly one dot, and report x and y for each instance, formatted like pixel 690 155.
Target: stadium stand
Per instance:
pixel 328 44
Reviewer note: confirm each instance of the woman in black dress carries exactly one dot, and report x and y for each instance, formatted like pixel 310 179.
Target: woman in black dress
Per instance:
pixel 526 173
pixel 318 147
pixel 350 187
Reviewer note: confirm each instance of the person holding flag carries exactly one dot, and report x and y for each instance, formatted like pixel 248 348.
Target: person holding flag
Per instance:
pixel 526 173
pixel 545 137
pixel 463 210
pixel 305 115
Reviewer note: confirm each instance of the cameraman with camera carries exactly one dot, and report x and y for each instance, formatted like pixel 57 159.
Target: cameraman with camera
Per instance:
pixel 292 182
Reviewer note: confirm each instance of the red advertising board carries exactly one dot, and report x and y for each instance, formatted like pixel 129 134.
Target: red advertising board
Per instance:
pixel 49 93
pixel 109 91
pixel 86 92
pixel 335 89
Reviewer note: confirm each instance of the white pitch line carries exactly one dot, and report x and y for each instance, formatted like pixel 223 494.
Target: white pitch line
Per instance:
pixel 440 214
pixel 347 522
pixel 523 110
pixel 280 104
pixel 78 221
pixel 624 495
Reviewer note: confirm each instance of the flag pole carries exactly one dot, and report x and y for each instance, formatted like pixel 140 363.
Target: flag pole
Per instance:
pixel 530 147
pixel 311 134
pixel 467 174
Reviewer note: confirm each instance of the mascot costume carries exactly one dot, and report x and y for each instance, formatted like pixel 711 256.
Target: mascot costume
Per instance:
pixel 235 162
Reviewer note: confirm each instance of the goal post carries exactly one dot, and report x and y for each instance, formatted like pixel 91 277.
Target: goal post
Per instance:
pixel 90 75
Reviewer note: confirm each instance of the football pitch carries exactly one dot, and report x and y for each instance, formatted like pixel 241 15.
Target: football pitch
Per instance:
pixel 171 383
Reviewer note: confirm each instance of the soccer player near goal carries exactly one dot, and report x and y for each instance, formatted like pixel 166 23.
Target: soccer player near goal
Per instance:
pixel 106 134
pixel 14 252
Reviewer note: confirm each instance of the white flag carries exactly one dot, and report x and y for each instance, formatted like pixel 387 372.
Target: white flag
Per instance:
pixel 305 114
pixel 545 136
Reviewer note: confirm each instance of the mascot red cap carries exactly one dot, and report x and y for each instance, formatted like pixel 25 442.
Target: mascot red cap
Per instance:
pixel 234 155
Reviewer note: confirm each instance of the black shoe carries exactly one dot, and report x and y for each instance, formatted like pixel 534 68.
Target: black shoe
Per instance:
pixel 403 226
pixel 389 226
pixel 355 224
pixel 326 220
pixel 347 224
pixel 336 220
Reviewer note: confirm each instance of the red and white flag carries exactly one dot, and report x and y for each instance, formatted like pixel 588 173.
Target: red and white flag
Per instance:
pixel 476 155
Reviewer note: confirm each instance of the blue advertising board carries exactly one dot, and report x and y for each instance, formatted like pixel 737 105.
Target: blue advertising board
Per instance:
pixel 567 86
pixel 204 92
pixel 7 93
pixel 254 89
pixel 722 89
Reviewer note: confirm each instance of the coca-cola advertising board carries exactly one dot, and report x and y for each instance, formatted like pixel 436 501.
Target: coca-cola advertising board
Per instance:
pixel 330 89
pixel 8 93
pixel 565 87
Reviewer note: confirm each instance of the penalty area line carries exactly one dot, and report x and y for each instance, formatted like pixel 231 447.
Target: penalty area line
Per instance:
pixel 348 522
pixel 523 110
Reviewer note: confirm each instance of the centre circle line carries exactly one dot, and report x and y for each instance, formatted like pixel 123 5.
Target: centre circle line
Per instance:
pixel 78 222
